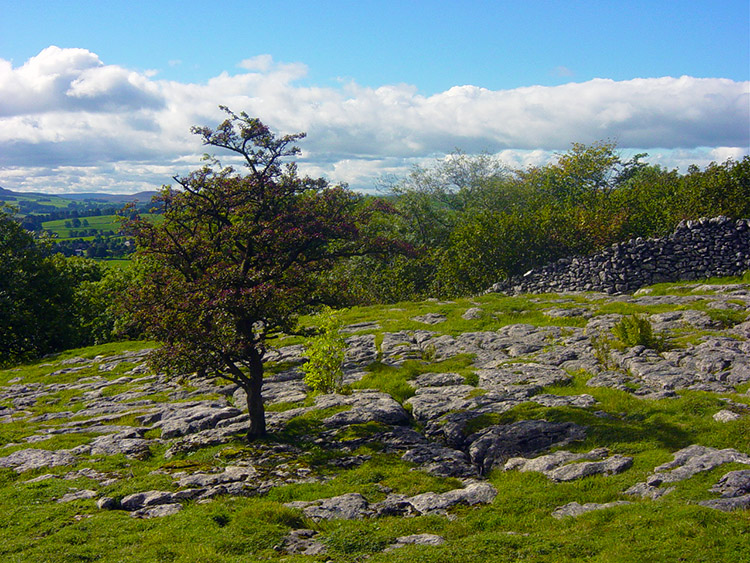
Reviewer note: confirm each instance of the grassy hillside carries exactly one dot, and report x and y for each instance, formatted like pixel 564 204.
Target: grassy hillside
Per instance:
pixel 102 390
pixel 103 224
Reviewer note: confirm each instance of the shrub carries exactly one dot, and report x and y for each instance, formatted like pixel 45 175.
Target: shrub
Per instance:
pixel 636 330
pixel 323 370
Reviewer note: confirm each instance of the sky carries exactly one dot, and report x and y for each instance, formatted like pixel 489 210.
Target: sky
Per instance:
pixel 100 96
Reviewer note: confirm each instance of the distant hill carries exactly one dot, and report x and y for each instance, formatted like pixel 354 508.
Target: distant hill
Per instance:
pixel 112 198
pixel 94 197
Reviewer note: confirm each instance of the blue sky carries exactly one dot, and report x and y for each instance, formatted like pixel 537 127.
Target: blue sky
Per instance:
pixel 100 96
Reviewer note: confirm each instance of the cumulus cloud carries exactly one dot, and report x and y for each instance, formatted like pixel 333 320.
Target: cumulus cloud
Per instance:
pixel 66 110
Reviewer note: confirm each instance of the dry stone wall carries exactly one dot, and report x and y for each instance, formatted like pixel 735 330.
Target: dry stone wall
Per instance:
pixel 695 250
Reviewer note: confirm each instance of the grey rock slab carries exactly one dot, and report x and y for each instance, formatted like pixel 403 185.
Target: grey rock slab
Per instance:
pixel 430 318
pixel 473 313
pixel 726 416
pixel 416 539
pixel 351 506
pixel 694 459
pixel 107 503
pixel 26 460
pixel 394 505
pixel 129 443
pixel 302 542
pixel 180 420
pixel 610 466
pixel 440 460
pixel 645 490
pixel 432 402
pixel 551 461
pixel 397 347
pixel 360 351
pixel 493 446
pixel 137 501
pixel 474 493
pixel 733 484
pixel 438 380
pixel 728 504
pixel 367 406
pixel 575 509
pixel 581 401
pixel 229 475
pixel 522 374
pixel 158 511
pixel 85 494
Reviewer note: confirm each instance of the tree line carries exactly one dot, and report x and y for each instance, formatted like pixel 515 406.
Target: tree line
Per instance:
pixel 474 222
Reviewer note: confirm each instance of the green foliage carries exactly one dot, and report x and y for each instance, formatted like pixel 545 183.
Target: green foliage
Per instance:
pixel 323 370
pixel 473 222
pixel 238 257
pixel 636 330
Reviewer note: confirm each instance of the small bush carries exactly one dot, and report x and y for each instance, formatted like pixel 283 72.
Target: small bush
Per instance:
pixel 323 370
pixel 636 330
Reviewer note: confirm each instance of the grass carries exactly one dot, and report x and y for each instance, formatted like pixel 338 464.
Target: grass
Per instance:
pixel 517 526
pixel 100 223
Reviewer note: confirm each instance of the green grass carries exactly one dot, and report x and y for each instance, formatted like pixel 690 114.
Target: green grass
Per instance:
pixel 101 223
pixel 517 526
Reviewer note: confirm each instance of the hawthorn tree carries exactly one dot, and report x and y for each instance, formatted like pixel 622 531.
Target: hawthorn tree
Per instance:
pixel 239 256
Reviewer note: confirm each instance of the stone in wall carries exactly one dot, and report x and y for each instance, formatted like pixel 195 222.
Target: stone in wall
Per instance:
pixel 695 250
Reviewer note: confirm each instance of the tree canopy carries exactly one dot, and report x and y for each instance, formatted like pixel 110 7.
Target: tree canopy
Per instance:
pixel 239 256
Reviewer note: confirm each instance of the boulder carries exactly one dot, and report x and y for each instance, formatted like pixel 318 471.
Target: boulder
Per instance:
pixel 493 446
pixel 29 459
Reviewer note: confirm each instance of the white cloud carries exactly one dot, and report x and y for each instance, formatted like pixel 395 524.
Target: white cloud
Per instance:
pixel 122 130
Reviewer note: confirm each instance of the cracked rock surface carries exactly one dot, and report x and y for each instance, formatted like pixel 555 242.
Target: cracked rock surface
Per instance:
pixel 453 425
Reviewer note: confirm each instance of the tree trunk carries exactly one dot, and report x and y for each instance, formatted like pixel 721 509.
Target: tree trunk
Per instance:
pixel 255 407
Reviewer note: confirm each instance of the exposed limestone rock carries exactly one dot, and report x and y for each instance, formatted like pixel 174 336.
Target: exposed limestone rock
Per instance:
pixel 686 463
pixel 472 314
pixel 366 406
pixel 128 442
pixel 85 494
pixel 648 491
pixel 440 460
pixel 493 446
pixel 107 503
pixel 438 380
pixel 430 318
pixel 567 466
pixel 576 509
pixel 142 500
pixel 733 484
pixel 694 459
pixel 416 539
pixel 229 475
pixel 157 511
pixel 189 418
pixel 610 466
pixel 475 493
pixel 351 506
pixel 532 374
pixel 545 463
pixel 302 542
pixel 26 460
pixel 728 504
pixel 726 416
